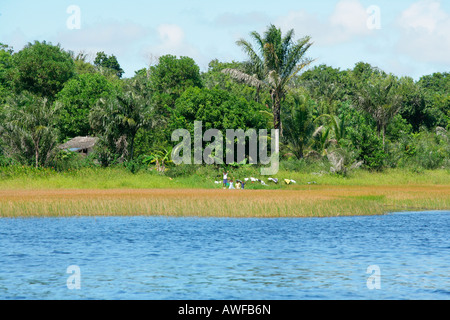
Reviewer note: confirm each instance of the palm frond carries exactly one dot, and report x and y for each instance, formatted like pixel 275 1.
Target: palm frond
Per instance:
pixel 243 77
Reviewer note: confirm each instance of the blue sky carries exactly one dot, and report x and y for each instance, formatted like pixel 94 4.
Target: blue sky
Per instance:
pixel 413 37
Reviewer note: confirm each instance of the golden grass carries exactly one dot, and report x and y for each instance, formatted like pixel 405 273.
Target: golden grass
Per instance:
pixel 308 201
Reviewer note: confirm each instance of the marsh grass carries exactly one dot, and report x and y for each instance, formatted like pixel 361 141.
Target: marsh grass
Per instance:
pixel 116 191
pixel 319 201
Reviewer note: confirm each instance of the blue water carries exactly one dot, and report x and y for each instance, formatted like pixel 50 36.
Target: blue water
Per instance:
pixel 192 258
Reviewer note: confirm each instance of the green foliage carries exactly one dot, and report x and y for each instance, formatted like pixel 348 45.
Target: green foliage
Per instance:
pixel 326 85
pixel 379 97
pixel 414 104
pixel 305 165
pixel 298 124
pixel 66 161
pixel 426 150
pixel 215 78
pixel 81 65
pixel 398 128
pixel 368 146
pixel 6 64
pixel 117 120
pixel 362 139
pixel 217 109
pixel 272 63
pixel 437 82
pixel 164 82
pixel 436 88
pixel 103 61
pixel 42 69
pixel 134 165
pixel 29 133
pixel 159 158
pixel 170 78
pixel 76 100
pixel 182 170
pixel 331 119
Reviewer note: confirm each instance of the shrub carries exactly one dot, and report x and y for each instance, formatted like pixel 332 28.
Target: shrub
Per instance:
pixel 183 170
pixel 368 146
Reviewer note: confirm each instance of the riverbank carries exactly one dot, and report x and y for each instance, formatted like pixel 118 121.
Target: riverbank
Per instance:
pixel 117 192
pixel 29 178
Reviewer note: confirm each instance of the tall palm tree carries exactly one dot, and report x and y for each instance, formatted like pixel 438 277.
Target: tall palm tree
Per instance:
pixel 379 96
pixel 272 64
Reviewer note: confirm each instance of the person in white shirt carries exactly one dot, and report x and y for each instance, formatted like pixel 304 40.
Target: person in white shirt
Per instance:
pixel 225 179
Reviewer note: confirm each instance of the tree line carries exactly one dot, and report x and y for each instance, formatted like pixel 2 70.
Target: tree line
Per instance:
pixel 362 115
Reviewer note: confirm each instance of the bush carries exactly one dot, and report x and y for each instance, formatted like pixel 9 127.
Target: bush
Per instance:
pixel 430 150
pixel 368 147
pixel 305 165
pixel 133 166
pixel 5 161
pixel 67 160
pixel 182 170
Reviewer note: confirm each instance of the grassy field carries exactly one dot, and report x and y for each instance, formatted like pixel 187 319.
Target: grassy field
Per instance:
pixel 115 191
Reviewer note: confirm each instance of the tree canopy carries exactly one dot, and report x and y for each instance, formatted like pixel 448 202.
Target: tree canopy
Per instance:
pixel 109 63
pixel 77 99
pixel 42 69
pixel 361 115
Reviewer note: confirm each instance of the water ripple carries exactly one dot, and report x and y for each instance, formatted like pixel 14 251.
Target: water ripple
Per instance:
pixel 190 258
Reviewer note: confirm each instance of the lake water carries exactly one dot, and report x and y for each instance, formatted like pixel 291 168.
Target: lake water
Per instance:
pixel 396 256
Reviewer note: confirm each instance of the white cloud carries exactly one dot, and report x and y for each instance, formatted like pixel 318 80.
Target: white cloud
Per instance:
pixel 425 15
pixel 171 35
pixel 425 32
pixel 171 40
pixel 347 22
pixel 350 18
pixel 113 37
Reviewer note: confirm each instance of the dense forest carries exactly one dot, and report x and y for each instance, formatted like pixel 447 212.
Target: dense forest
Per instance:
pixel 363 117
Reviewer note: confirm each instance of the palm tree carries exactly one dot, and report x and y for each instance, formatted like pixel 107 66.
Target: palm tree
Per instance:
pixel 335 123
pixel 299 126
pixel 322 136
pixel 118 120
pixel 29 131
pixel 379 97
pixel 272 64
pixel 160 158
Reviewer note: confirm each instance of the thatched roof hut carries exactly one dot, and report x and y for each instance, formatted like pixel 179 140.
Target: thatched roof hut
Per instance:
pixel 83 145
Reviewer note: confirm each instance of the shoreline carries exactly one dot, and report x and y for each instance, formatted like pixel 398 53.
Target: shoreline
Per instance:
pixel 307 201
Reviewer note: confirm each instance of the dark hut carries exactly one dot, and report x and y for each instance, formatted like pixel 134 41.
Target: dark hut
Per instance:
pixel 83 145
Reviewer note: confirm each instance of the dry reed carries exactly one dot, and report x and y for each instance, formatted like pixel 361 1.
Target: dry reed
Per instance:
pixel 314 201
